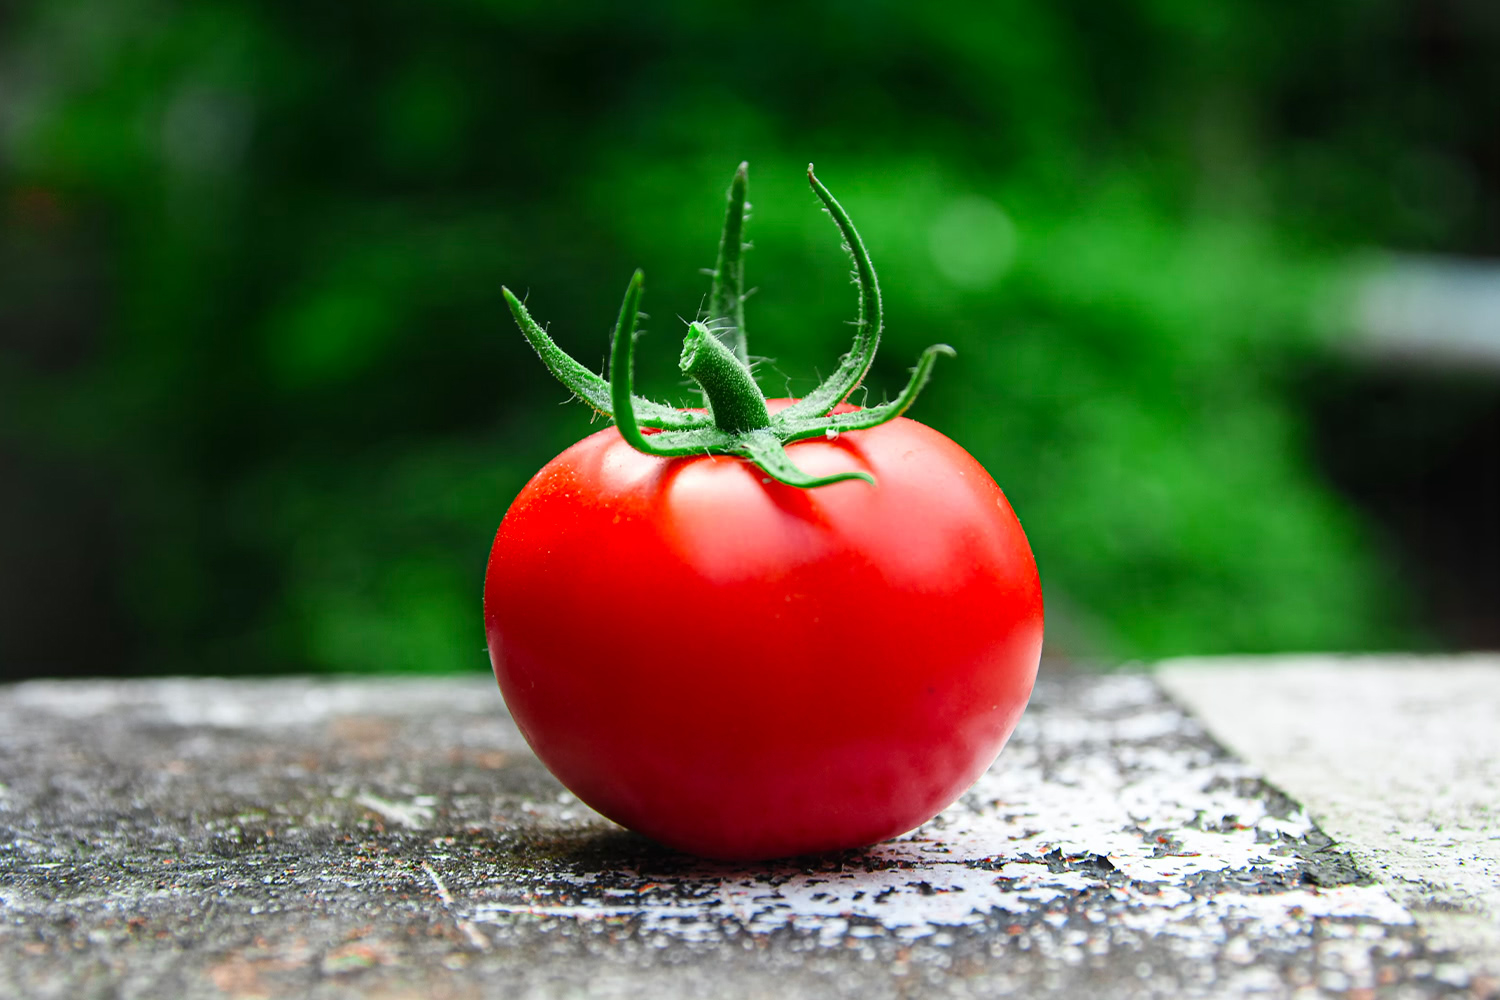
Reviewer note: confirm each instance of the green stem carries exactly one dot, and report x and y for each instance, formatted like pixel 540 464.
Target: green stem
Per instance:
pixel 851 371
pixel 871 416
pixel 700 440
pixel 734 400
pixel 621 361
pixel 766 451
pixel 726 300
pixel 713 355
pixel 587 386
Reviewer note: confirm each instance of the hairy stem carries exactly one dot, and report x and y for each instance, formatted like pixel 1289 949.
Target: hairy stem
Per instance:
pixel 726 300
pixel 857 362
pixel 587 386
pixel 766 450
pixel 872 416
pixel 734 400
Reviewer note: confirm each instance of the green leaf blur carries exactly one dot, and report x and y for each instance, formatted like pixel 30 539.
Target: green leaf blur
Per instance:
pixel 252 257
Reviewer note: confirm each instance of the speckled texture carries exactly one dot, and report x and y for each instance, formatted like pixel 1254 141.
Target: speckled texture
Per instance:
pixel 1397 755
pixel 397 839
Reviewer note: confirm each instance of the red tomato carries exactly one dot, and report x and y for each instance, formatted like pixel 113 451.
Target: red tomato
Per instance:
pixel 745 670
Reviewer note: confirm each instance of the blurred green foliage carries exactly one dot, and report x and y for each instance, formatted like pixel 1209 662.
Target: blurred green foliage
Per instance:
pixel 252 252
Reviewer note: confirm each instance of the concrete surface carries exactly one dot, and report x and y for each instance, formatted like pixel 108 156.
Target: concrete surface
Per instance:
pixel 385 838
pixel 1397 757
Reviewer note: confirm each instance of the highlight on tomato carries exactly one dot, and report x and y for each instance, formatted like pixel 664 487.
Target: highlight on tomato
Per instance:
pixel 766 627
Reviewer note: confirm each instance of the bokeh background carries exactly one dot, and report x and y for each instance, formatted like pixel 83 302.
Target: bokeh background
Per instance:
pixel 262 406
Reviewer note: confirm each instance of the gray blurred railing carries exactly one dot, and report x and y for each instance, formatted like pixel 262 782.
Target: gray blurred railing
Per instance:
pixel 1440 312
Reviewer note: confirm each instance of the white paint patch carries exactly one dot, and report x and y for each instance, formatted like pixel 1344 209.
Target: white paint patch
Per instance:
pixel 1122 783
pixel 414 815
pixel 1397 756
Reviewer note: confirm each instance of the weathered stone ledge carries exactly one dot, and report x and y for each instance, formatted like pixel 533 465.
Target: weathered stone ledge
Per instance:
pixel 395 838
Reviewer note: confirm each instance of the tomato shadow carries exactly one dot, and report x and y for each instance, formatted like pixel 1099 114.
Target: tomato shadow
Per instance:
pixel 598 848
pixel 592 848
pixel 603 849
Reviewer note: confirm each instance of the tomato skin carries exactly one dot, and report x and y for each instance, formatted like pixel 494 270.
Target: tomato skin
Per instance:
pixel 745 670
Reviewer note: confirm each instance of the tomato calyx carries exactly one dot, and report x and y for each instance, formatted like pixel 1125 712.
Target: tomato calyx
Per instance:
pixel 714 355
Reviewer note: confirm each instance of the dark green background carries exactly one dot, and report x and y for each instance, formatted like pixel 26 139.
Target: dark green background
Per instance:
pixel 262 406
